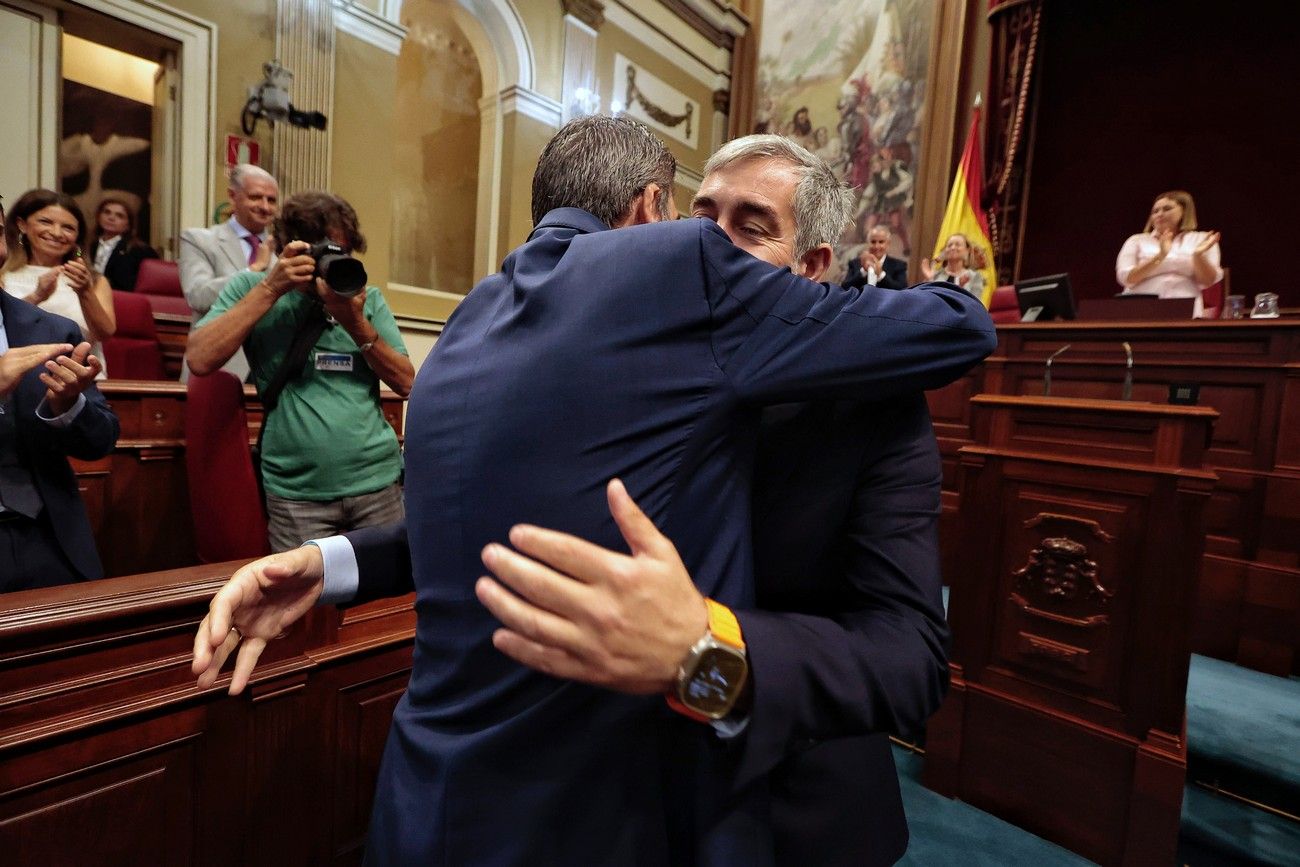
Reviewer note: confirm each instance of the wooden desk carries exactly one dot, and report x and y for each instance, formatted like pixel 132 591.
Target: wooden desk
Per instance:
pixel 173 335
pixel 1081 529
pixel 109 753
pixel 138 496
pixel 1248 606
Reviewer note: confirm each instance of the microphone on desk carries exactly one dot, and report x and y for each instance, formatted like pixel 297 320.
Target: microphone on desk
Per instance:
pixel 1128 373
pixel 1047 371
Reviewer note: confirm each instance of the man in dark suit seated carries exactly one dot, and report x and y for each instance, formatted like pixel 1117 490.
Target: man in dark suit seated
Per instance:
pixel 873 266
pixel 593 375
pixel 50 410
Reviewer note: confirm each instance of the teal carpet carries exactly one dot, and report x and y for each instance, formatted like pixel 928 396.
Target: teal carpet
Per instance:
pixel 1243 732
pixel 947 832
pixel 1243 735
pixel 1220 832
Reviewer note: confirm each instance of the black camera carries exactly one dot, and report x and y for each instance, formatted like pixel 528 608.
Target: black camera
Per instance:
pixel 335 265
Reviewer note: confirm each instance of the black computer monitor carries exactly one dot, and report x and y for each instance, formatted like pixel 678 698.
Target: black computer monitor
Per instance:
pixel 1044 298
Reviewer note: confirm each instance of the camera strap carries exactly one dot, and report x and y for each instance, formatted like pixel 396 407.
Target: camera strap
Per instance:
pixel 304 338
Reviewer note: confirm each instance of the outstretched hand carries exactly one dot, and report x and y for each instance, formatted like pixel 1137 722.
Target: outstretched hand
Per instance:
pixel 259 602
pixel 587 613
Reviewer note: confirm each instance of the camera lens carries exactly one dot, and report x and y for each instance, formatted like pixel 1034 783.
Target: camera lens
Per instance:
pixel 345 275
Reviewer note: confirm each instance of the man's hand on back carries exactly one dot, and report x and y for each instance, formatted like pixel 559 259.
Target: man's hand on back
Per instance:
pixel 589 614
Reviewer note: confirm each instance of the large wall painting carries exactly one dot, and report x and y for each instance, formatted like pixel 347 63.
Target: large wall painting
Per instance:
pixel 853 91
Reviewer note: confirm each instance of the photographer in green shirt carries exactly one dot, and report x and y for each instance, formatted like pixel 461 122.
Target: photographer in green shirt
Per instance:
pixel 329 461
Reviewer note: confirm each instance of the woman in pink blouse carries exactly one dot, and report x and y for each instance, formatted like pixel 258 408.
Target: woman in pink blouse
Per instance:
pixel 1170 258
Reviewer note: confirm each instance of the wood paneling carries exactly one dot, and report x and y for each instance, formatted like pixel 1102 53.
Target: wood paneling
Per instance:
pixel 1080 527
pixel 109 754
pixel 1247 370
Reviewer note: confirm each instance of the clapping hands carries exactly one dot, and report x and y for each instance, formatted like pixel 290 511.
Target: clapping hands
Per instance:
pixel 20 359
pixel 67 376
pixel 1210 239
pixel 79 276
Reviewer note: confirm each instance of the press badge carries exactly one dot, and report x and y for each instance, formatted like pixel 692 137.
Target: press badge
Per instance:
pixel 339 362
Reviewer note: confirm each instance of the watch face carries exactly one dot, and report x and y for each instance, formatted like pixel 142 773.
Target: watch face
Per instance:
pixel 716 681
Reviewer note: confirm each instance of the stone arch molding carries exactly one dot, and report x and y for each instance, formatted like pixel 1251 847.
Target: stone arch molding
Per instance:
pixel 498 36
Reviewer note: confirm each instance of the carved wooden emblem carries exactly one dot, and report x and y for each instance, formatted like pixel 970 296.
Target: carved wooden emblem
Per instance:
pixel 1059 571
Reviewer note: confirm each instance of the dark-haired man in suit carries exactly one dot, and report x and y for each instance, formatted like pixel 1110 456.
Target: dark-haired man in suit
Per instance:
pixel 511 767
pixel 50 410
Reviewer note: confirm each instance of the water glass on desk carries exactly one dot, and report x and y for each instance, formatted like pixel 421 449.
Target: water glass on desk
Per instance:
pixel 1265 306
pixel 1234 307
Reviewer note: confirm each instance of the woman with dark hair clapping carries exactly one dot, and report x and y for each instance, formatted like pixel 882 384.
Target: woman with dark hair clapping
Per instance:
pixel 45 231
pixel 116 252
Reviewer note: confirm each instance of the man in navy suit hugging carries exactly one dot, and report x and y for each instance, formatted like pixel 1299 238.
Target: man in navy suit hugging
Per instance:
pixel 575 365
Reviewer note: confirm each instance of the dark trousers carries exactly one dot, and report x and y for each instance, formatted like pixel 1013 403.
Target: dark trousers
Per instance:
pixel 30 554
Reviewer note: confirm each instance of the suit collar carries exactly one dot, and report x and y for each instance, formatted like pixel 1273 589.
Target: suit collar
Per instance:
pixel 571 218
pixel 228 240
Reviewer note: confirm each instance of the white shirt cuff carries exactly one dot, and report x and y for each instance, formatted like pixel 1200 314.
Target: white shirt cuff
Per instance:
pixel 342 577
pixel 61 420
pixel 730 726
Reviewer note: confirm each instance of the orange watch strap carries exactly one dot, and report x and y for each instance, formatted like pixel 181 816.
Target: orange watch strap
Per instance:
pixel 724 625
pixel 675 704
pixel 725 628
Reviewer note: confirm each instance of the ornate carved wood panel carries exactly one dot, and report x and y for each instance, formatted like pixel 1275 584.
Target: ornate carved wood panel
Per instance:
pixel 1080 524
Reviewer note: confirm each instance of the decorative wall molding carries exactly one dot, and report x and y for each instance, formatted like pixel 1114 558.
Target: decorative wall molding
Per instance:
pixel 688 178
pixel 580 94
pixel 505 31
pixel 722 100
pixel 370 27
pixel 589 12
pixel 304 44
pixel 713 72
pixel 198 96
pixel 718 24
pixel 529 103
pixel 432 293
pixel 656 103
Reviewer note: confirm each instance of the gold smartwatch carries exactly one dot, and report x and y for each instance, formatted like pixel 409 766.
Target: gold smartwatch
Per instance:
pixel 713 674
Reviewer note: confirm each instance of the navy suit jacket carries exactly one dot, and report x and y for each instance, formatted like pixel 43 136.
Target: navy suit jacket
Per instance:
pixel 578 363
pixel 46 449
pixel 895 276
pixel 848 640
pixel 848 643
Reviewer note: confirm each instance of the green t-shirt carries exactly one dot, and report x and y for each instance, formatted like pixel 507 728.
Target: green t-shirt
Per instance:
pixel 327 439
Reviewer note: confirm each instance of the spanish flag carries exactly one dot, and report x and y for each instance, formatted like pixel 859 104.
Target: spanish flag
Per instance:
pixel 964 213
